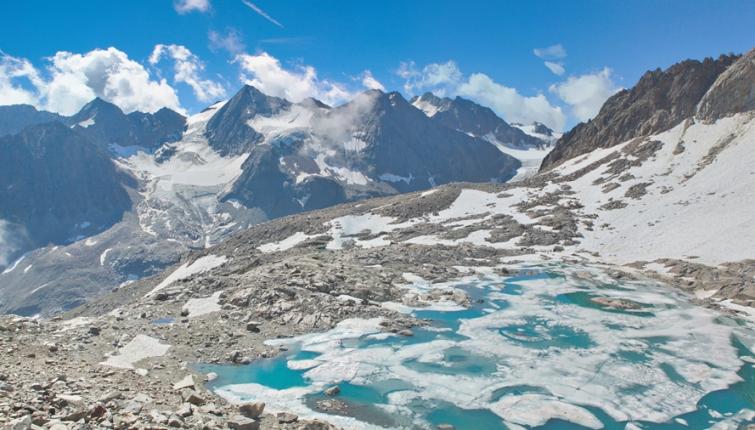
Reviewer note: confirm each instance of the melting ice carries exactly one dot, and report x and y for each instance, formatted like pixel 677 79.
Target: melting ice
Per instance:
pixel 554 347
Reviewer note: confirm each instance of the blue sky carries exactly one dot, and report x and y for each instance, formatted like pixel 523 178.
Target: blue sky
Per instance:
pixel 53 53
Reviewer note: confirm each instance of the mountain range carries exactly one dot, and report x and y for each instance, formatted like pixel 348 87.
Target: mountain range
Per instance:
pixel 127 194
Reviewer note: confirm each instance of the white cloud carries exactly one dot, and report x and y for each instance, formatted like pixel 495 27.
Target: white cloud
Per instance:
pixel 435 75
pixel 13 70
pixel 512 106
pixel 555 68
pixel 187 68
pixel 585 94
pixel 186 6
pixel 369 81
pixel 78 78
pixel 71 80
pixel 445 79
pixel 230 42
pixel 553 52
pixel 266 73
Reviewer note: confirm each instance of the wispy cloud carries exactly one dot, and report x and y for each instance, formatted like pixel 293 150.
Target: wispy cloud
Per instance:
pixel 553 52
pixel 261 12
pixel 556 68
pixel 231 41
pixel 286 40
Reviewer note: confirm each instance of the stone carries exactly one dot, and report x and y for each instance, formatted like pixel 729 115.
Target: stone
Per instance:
pixel 193 398
pixel 94 331
pixel 111 395
pixel 239 422
pixel 97 411
pixel 446 427
pixel 187 382
pixel 124 421
pixel 211 376
pixel 185 410
pixel 75 416
pixel 157 417
pixel 405 332
pixel 252 410
pixel 23 423
pixel 287 418
pixel 253 326
pixel 333 391
pixel 175 421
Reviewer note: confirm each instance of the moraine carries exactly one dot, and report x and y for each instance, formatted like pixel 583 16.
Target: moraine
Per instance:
pixel 555 347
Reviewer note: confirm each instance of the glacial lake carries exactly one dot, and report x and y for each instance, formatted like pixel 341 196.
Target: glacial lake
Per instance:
pixel 551 347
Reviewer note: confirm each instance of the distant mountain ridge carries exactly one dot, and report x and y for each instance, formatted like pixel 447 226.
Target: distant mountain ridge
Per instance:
pixel 472 118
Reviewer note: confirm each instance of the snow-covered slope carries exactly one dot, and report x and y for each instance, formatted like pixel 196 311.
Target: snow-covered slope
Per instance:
pixel 182 184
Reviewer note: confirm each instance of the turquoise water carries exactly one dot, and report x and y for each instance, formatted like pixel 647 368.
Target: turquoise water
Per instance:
pixel 537 338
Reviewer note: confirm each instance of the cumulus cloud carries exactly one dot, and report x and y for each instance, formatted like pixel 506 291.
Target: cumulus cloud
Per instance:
pixel 446 79
pixel 187 68
pixel 231 41
pixel 553 52
pixel 267 74
pixel 585 94
pixel 70 80
pixel 186 6
pixel 76 79
pixel 511 105
pixel 555 68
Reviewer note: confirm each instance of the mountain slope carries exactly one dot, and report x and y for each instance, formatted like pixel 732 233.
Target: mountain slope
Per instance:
pixel 660 100
pixel 58 185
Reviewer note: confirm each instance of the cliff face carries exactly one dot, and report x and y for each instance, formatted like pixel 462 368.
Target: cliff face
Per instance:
pixel 660 100
pixel 733 91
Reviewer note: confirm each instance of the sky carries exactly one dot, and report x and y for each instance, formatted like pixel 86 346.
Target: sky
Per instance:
pixel 547 61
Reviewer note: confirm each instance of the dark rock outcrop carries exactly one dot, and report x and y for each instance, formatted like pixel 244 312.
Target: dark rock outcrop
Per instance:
pixel 660 100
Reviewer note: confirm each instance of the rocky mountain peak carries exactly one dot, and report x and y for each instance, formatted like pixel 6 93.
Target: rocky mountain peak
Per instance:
pixel 659 100
pixel 228 131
